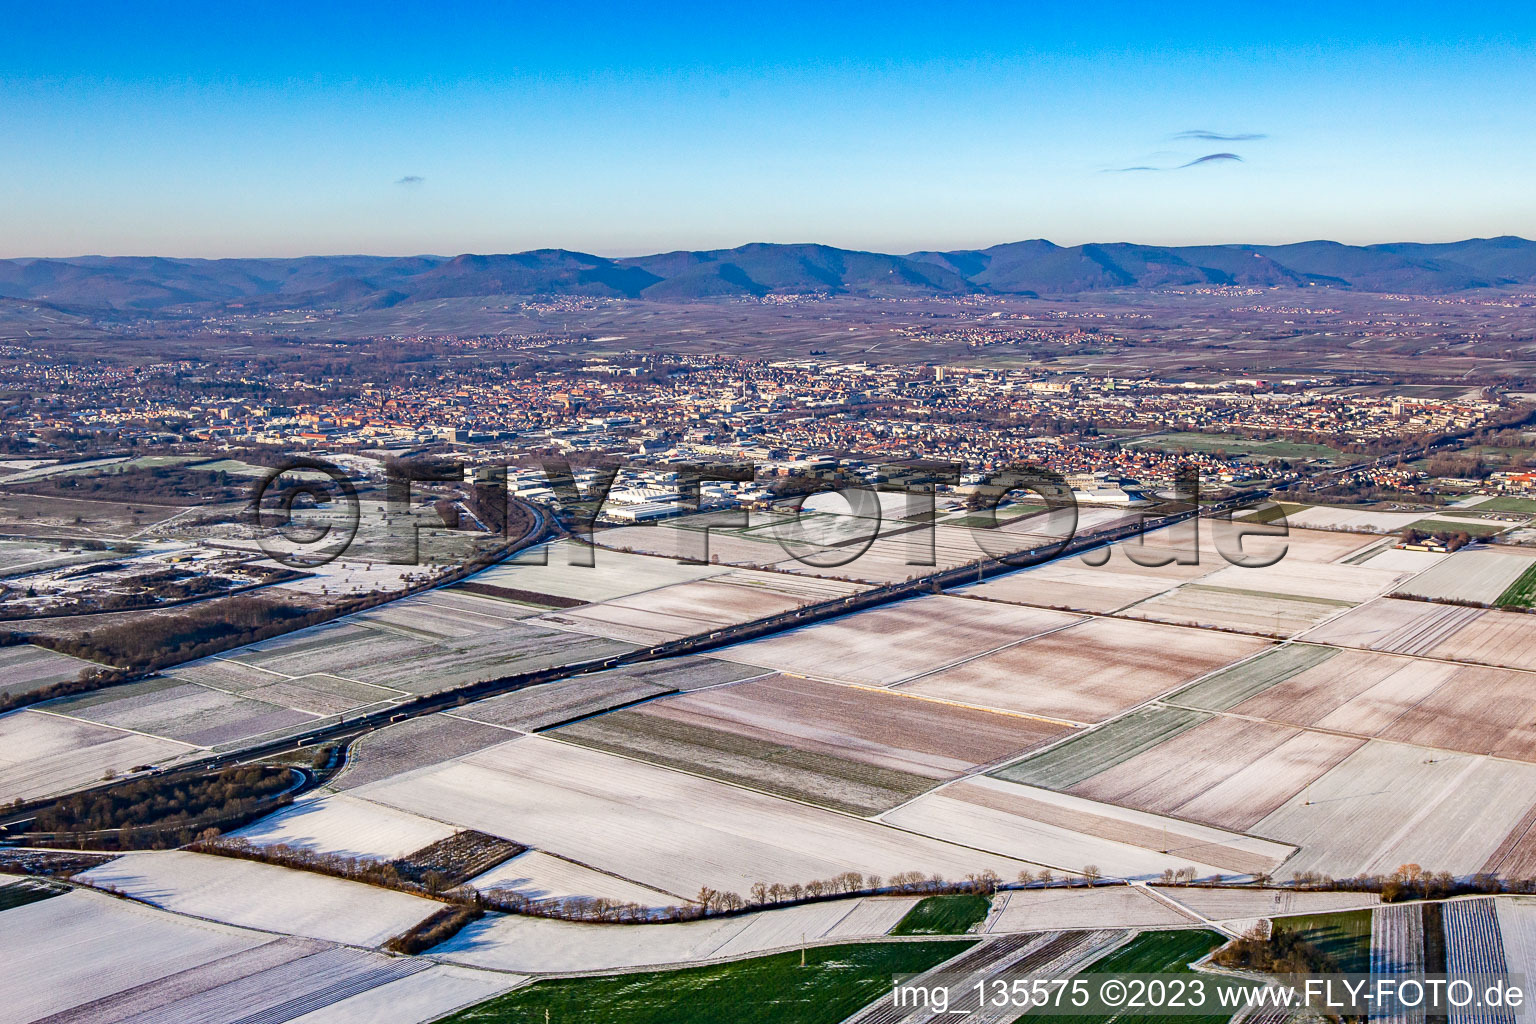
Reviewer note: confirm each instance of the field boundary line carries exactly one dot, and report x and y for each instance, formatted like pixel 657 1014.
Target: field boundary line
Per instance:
pixel 149 904
pixel 168 519
pixel 232 661
pixel 435 639
pixel 983 654
pixel 597 870
pixel 1120 613
pixel 1000 900
pixel 1321 730
pixel 748 679
pixel 872 819
pixel 1164 899
pixel 626 706
pixel 475 721
pixel 1158 700
pixel 970 940
pixel 875 819
pixel 1197 842
pixel 396 691
pixel 1425 809
pixel 958 703
pixel 117 728
pixel 1463 663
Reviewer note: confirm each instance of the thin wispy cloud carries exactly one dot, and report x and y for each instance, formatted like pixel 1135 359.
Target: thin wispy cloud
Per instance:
pixel 1197 161
pixel 410 179
pixel 1209 158
pixel 1202 135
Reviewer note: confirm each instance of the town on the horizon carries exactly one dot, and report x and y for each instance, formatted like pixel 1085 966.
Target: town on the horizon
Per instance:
pixel 989 516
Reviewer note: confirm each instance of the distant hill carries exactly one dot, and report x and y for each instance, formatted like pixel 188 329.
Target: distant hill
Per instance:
pixel 1035 267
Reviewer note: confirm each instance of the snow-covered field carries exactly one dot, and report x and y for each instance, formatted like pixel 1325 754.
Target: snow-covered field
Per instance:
pixel 1246 904
pixel 1390 803
pixel 890 644
pixel 1067 832
pixel 447 613
pixel 1335 581
pixel 83 946
pixel 1118 906
pixel 43 754
pixel 25 667
pixel 1517 926
pixel 541 876
pixel 700 606
pixel 672 831
pixel 1321 517
pixel 1470 575
pixel 537 945
pixel 255 895
pixel 88 957
pixel 611 573
pixel 344 825
pixel 1402 560
pixel 424 996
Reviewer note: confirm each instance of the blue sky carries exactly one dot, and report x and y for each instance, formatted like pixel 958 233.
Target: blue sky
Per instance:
pixel 270 129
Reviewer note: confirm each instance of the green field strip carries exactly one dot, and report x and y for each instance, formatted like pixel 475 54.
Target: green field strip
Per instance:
pixel 28 890
pixel 1276 510
pixel 1522 592
pixel 1231 686
pixel 944 915
pixel 832 984
pixel 1345 936
pixel 1471 528
pixel 1101 749
pixel 1506 505
pixel 1161 952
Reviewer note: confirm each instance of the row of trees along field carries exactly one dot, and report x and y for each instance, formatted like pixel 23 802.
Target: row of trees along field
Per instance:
pixel 151 811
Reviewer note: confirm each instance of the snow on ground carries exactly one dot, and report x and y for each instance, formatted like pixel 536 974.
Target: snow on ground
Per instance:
pixel 1322 517
pixel 537 945
pixel 256 895
pixel 550 569
pixel 345 825
pixel 1403 560
pixel 541 876
pixel 672 831
pixel 1114 906
pixel 1228 904
pixel 346 576
pixel 1517 927
pixel 1471 574
pixel 433 993
pixel 83 946
pixel 1069 831
pixel 43 754
pixel 874 916
pixel 25 667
